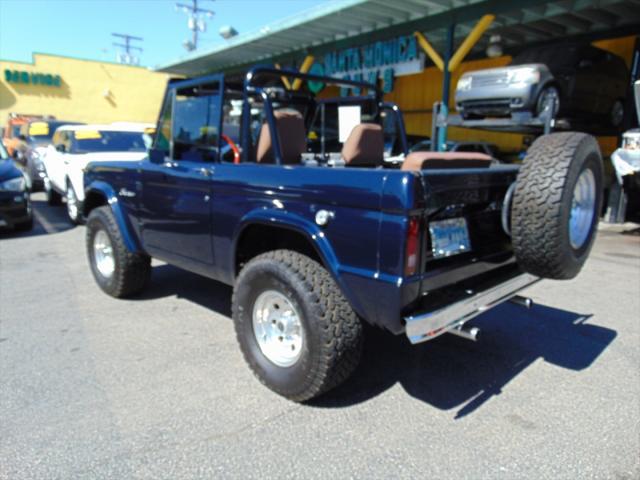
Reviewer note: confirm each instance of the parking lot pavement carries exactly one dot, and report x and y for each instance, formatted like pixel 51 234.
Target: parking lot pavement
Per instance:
pixel 156 387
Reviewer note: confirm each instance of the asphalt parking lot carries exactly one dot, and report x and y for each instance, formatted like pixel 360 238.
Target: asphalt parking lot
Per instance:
pixel 156 387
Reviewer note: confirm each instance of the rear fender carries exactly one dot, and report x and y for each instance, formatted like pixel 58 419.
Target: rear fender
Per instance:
pixel 106 191
pixel 313 233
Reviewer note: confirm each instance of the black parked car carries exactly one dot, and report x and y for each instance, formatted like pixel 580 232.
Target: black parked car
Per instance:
pixel 15 205
pixel 588 84
pixel 36 136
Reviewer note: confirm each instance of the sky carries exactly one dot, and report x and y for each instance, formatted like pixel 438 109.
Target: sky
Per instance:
pixel 82 28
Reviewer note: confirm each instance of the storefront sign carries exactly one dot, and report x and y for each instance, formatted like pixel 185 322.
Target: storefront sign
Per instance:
pixel 368 63
pixel 32 78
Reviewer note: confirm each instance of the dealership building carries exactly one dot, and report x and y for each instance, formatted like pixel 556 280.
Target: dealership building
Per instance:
pixel 79 90
pixel 417 49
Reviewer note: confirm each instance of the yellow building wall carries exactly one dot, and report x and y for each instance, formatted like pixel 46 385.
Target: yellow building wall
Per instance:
pixel 90 91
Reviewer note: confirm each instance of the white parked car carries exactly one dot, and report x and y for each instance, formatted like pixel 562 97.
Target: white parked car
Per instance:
pixel 75 146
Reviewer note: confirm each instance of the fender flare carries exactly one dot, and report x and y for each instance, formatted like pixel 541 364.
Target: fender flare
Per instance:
pixel 312 232
pixel 105 190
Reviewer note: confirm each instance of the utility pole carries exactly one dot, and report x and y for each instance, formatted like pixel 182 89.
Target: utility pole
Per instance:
pixel 127 57
pixel 196 23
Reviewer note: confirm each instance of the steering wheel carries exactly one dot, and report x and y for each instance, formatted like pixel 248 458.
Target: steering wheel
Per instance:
pixel 233 147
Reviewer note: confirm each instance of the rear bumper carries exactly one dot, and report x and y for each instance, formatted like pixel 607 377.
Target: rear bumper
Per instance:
pixel 428 325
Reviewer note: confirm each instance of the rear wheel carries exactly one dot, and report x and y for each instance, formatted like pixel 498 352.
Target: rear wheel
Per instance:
pixel 117 271
pixel 297 332
pixel 556 203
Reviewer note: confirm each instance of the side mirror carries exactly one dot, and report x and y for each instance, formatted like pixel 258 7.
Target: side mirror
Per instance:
pixel 61 148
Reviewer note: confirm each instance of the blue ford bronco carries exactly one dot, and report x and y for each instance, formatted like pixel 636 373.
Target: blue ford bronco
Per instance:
pixel 313 209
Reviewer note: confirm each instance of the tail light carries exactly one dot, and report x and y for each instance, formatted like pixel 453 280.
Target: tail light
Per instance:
pixel 413 247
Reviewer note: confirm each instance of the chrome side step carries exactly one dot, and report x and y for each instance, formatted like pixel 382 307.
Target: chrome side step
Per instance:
pixel 427 326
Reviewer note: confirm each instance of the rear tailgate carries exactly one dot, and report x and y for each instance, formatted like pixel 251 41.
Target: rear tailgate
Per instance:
pixel 475 198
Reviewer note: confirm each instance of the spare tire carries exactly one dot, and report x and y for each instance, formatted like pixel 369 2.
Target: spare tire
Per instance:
pixel 556 203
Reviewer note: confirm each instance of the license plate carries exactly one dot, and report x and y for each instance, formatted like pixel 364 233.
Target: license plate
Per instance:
pixel 449 237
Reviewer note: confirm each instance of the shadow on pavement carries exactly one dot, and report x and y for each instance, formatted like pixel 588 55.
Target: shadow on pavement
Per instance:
pixel 168 281
pixel 46 220
pixel 448 372
pixel 453 373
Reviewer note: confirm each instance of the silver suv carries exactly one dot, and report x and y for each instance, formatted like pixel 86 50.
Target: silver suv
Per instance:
pixel 585 82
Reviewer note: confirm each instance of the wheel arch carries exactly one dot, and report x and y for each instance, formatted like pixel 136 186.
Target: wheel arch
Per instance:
pixel 266 230
pixel 301 235
pixel 99 194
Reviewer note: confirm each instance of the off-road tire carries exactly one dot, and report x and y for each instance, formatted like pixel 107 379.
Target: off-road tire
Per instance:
pixel 132 270
pixel 542 204
pixel 332 331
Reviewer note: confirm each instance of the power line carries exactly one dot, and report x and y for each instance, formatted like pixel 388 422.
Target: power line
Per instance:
pixel 127 57
pixel 195 23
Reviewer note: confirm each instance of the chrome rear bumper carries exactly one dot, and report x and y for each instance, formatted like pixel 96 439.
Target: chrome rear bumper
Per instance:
pixel 426 326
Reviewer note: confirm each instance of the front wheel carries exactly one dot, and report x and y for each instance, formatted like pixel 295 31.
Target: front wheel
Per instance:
pixel 117 271
pixel 73 205
pixel 549 97
pixel 296 330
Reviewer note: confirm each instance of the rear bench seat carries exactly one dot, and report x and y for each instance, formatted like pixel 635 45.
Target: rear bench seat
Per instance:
pixel 431 160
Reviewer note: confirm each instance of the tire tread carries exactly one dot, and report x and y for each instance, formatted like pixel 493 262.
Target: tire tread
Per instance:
pixel 133 270
pixel 341 347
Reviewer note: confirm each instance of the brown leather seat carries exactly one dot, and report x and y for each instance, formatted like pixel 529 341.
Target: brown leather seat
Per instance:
pixel 365 146
pixel 291 136
pixel 430 160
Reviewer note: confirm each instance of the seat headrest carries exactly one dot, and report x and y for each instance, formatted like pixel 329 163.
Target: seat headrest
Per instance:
pixel 291 136
pixel 430 160
pixel 364 146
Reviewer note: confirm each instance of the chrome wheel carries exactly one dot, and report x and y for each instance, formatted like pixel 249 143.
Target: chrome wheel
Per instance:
pixel 583 206
pixel 277 328
pixel 72 203
pixel 103 254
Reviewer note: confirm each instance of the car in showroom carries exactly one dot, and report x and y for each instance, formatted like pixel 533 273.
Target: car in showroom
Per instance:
pixel 319 237
pixel 582 82
pixel 15 205
pixel 73 147
pixel 36 136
